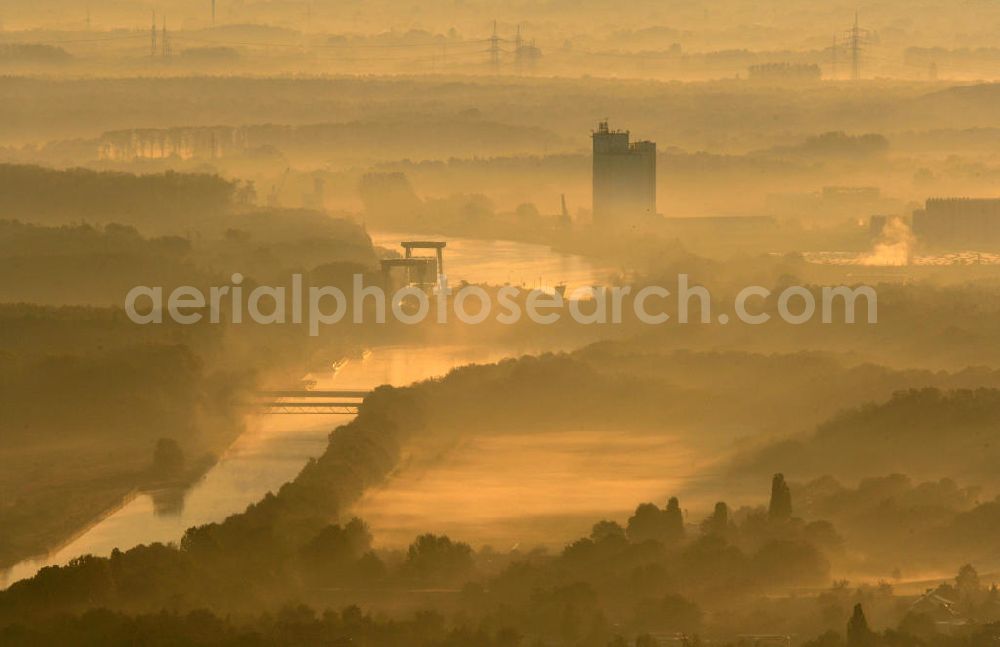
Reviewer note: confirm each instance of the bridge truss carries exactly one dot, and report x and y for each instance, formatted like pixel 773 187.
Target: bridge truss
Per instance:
pixel 311 402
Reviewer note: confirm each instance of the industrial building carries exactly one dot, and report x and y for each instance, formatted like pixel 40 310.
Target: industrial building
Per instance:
pixel 960 222
pixel 624 178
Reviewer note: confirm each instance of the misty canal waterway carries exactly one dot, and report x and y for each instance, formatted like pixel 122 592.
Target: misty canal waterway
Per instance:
pixel 275 447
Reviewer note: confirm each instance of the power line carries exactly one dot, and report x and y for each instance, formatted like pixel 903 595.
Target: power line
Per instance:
pixel 495 49
pixel 857 38
pixel 216 41
pixel 69 41
pixel 432 57
pixel 162 42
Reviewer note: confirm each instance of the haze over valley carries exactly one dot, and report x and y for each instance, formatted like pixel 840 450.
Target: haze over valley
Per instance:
pixel 507 324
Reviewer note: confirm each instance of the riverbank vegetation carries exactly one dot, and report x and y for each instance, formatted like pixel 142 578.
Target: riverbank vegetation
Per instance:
pixel 665 568
pixel 87 397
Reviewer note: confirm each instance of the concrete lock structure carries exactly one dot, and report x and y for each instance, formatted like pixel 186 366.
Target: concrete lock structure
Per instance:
pixel 422 271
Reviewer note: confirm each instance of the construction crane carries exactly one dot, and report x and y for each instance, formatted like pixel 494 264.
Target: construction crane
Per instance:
pixel 564 218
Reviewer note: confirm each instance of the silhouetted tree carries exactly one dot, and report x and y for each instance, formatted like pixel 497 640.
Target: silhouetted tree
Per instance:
pixel 431 557
pixel 718 523
pixel 969 589
pixel 858 632
pixel 607 529
pixel 646 524
pixel 335 549
pixel 967 581
pixel 673 520
pixel 651 523
pixel 780 508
